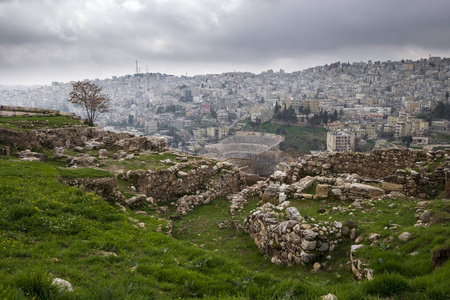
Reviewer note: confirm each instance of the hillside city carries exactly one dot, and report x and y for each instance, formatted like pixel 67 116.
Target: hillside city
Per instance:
pixel 373 101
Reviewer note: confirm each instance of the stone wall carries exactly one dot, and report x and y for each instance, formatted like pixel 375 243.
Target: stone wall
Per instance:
pixel 422 183
pixel 378 164
pixel 292 239
pixel 417 173
pixel 184 179
pixel 74 136
pixel 104 187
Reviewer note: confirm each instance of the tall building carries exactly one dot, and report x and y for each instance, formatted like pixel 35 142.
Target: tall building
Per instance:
pixel 340 141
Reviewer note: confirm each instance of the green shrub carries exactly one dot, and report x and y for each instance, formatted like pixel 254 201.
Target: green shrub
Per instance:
pixel 36 284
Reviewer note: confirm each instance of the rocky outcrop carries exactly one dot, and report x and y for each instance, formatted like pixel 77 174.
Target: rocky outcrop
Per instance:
pixel 80 136
pixel 184 179
pixel 28 155
pixel 104 187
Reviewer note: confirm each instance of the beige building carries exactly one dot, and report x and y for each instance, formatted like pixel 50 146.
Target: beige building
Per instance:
pixel 340 141
pixel 290 101
pixel 313 105
pixel 223 131
pixel 150 127
pixel 371 131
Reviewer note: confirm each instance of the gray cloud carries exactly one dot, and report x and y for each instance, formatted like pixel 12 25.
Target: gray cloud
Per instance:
pixel 43 41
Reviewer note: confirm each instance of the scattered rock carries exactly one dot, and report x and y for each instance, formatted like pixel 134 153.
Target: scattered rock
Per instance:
pixel 353 248
pixel 102 154
pixel 316 266
pixel 373 237
pixel 405 236
pixel 106 253
pixel 329 297
pixel 425 216
pixel 62 284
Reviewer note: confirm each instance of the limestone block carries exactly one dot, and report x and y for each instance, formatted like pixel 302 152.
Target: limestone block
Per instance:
pixel 309 235
pixel 389 186
pixel 322 190
pixel 366 190
pixel 293 214
pixel 102 153
pixel 182 174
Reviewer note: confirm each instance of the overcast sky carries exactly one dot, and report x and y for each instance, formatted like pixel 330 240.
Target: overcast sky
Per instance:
pixel 51 40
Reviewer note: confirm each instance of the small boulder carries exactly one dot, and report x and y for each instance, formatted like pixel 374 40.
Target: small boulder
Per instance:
pixel 293 214
pixel 62 284
pixel 373 237
pixel 329 297
pixel 102 154
pixel 425 216
pixel 405 236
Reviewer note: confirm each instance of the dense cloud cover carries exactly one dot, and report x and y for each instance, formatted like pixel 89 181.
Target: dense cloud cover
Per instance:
pixel 43 41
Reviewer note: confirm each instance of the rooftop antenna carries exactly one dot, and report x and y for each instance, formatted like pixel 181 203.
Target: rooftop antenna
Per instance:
pixel 137 67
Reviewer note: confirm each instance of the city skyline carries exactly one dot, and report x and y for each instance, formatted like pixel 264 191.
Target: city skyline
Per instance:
pixel 45 41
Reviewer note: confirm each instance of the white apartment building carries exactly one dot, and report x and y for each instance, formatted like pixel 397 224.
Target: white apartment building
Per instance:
pixel 340 141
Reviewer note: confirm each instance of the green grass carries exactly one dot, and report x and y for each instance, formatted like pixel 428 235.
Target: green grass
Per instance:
pixel 58 231
pixel 32 123
pixel 49 230
pixel 83 173
pixel 143 162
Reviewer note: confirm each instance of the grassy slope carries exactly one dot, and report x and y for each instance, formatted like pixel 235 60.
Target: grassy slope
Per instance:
pixel 32 123
pixel 49 230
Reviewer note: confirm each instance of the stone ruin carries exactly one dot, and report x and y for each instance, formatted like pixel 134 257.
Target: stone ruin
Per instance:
pixel 286 238
pixel 79 137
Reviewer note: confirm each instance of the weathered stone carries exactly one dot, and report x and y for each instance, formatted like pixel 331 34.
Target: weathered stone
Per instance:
pixel 329 297
pixel 324 247
pixel 366 190
pixel 62 284
pixel 293 214
pixel 27 155
pixel 182 174
pixel 58 152
pixel 353 248
pixel 425 216
pixel 282 197
pixel 295 239
pixel 405 236
pixel 322 190
pixel 389 186
pixel 373 237
pixel 309 235
pixel 83 161
pixel 337 224
pixel 78 149
pixel 308 245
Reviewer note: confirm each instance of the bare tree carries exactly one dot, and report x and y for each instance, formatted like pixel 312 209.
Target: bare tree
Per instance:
pixel 90 96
